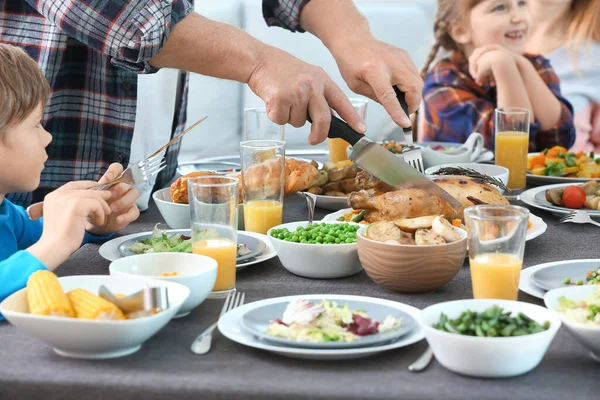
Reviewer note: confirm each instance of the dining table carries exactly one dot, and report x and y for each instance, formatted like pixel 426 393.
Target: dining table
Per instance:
pixel 165 368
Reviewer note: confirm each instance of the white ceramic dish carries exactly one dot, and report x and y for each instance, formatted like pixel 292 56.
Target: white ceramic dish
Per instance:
pixel 198 273
pixel 110 250
pixel 535 197
pixel 526 283
pixel 176 215
pixel 589 336
pixel 77 338
pixel 548 180
pixel 230 327
pixel 538 226
pixel 320 261
pixel 486 357
pixel 495 171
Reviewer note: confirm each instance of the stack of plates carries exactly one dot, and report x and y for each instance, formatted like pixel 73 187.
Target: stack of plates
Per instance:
pixel 539 279
pixel 246 325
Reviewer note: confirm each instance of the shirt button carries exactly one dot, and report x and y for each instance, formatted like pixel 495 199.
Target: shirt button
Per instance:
pixel 120 157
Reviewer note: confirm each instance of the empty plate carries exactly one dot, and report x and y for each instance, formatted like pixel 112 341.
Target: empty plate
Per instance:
pixel 255 245
pixel 552 276
pixel 256 321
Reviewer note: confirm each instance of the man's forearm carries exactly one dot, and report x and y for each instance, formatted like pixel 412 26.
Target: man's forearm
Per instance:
pixel 335 22
pixel 207 47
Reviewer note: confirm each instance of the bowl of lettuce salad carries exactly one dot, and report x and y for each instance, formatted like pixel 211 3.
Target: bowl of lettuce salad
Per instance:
pixel 579 309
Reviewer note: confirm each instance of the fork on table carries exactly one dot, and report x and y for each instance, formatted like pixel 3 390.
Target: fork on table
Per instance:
pixel 578 217
pixel 201 345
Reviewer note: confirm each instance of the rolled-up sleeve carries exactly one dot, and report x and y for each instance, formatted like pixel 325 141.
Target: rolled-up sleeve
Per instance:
pixel 131 32
pixel 284 13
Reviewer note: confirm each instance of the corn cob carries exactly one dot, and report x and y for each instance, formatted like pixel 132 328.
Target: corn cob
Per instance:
pixel 45 296
pixel 90 306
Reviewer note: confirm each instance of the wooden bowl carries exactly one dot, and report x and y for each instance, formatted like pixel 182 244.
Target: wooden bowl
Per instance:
pixel 410 268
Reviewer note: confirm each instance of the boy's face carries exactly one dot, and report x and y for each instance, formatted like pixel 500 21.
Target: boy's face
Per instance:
pixel 23 153
pixel 502 22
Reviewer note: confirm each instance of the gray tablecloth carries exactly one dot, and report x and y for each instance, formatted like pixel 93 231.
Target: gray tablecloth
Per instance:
pixel 165 368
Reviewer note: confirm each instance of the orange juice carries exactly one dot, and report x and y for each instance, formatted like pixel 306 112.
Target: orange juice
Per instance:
pixel 511 152
pixel 495 276
pixel 224 251
pixel 262 215
pixel 337 149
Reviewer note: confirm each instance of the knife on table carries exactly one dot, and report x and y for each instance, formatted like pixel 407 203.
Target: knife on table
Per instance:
pixel 382 164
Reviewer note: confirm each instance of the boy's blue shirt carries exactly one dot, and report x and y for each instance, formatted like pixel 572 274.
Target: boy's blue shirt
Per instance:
pixel 17 233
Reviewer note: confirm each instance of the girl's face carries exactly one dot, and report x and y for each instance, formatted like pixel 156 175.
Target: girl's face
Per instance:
pixel 502 22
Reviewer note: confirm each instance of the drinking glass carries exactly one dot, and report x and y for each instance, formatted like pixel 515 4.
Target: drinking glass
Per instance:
pixel 496 245
pixel 213 210
pixel 338 148
pixel 512 145
pixel 263 166
pixel 258 126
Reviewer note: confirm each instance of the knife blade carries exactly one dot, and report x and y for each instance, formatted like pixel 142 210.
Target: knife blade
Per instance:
pixel 382 164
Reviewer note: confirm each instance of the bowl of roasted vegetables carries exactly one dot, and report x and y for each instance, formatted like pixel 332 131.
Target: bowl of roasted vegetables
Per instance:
pixel 557 165
pixel 68 314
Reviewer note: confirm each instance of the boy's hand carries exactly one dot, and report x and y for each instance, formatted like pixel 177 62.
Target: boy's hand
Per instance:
pixel 66 212
pixel 122 205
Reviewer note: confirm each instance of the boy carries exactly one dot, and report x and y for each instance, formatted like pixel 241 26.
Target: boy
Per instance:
pixel 72 214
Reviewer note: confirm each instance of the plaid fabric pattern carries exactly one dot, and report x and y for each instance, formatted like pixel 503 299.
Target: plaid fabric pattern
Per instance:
pixel 284 13
pixel 455 106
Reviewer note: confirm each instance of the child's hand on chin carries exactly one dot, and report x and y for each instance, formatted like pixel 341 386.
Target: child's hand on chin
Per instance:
pixel 122 205
pixel 485 59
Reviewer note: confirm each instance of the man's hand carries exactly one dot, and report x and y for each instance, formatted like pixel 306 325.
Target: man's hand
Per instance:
pixel 292 89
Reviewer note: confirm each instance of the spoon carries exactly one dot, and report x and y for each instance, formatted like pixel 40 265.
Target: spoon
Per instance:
pixel 149 298
pixel 422 362
pixel 311 199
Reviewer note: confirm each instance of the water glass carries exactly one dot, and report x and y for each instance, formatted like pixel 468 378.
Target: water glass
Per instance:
pixel 213 210
pixel 263 167
pixel 338 148
pixel 496 245
pixel 512 145
pixel 258 126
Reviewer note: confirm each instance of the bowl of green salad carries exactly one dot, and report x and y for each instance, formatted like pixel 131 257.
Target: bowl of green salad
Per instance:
pixel 322 250
pixel 579 309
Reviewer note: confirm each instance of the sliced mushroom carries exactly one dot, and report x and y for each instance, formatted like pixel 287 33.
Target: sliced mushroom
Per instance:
pixel 554 196
pixel 590 187
pixel 412 224
pixel 442 227
pixel 592 202
pixel 428 237
pixel 383 231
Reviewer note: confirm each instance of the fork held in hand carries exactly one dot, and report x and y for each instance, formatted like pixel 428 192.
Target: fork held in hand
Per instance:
pixel 201 345
pixel 578 217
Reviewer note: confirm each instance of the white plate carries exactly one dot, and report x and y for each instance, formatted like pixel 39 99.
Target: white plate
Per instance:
pixel 547 180
pixel 110 250
pixel 329 202
pixel 526 283
pixel 532 197
pixel 230 327
pixel 538 226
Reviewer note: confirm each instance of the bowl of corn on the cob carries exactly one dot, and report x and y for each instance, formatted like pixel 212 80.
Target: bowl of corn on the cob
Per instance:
pixel 67 314
pixel 197 272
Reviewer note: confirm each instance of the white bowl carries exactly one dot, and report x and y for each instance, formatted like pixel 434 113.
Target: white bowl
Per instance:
pixel 177 215
pixel 495 171
pixel 589 336
pixel 488 357
pixel 197 272
pixel 321 261
pixel 79 338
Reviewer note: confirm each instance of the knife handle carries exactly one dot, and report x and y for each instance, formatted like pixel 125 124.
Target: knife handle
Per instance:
pixel 402 100
pixel 340 129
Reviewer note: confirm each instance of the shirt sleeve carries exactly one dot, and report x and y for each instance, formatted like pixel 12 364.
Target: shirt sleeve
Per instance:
pixel 284 13
pixel 15 270
pixel 26 231
pixel 452 113
pixel 131 32
pixel 563 132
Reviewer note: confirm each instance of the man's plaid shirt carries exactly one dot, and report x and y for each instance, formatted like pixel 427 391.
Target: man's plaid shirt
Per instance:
pixel 91 52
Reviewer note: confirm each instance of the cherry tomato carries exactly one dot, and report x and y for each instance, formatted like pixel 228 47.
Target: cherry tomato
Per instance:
pixel 574 197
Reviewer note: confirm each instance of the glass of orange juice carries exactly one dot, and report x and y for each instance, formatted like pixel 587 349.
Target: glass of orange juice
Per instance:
pixel 263 167
pixel 496 245
pixel 512 146
pixel 213 210
pixel 338 148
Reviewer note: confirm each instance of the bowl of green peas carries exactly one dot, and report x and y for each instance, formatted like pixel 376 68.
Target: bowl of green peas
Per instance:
pixel 319 250
pixel 489 338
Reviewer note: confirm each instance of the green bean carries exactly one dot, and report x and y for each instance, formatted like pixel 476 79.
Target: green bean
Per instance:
pixel 359 217
pixel 493 322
